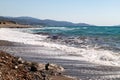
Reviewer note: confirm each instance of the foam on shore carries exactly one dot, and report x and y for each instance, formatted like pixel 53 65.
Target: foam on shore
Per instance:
pixel 104 57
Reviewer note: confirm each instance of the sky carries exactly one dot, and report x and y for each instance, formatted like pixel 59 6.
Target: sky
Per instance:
pixel 97 12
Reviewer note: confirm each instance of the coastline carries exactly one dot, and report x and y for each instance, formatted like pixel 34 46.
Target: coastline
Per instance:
pixel 80 69
pixel 54 76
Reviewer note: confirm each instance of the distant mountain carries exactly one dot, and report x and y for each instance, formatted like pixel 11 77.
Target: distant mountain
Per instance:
pixel 46 22
pixel 23 20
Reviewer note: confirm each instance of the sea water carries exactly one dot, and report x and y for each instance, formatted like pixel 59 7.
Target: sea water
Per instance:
pixel 100 45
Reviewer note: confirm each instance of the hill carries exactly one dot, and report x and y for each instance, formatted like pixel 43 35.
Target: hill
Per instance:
pixel 46 22
pixel 6 23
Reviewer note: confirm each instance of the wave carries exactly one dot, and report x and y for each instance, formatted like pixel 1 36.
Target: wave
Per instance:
pixel 98 56
pixel 59 28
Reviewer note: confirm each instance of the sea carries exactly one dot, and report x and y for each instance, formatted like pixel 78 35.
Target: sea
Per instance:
pixel 95 44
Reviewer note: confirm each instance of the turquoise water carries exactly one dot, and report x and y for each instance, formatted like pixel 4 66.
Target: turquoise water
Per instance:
pixel 82 31
pixel 104 36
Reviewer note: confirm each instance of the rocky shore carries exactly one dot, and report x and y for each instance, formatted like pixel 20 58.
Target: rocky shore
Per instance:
pixel 15 68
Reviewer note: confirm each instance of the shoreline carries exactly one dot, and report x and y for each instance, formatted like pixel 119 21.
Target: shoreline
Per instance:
pixel 4 43
pixel 81 69
pixel 12 67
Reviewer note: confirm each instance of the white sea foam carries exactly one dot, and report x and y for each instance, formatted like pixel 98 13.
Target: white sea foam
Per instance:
pixel 104 57
pixel 59 28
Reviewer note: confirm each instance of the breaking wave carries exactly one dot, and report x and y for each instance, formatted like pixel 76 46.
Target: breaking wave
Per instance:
pixel 92 54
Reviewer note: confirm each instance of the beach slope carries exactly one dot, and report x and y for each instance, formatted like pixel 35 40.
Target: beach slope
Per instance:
pixel 12 68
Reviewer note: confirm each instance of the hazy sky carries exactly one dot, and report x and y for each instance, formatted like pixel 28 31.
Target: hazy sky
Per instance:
pixel 98 12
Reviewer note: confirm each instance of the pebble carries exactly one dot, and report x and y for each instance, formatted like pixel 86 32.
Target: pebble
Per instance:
pixel 0 74
pixel 20 60
pixel 16 67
